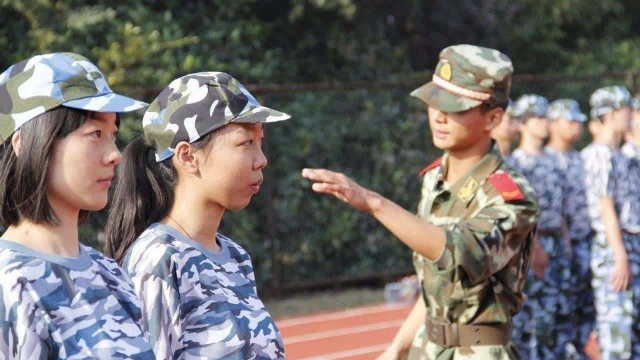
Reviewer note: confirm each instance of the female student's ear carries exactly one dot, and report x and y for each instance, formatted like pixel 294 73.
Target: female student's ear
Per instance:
pixel 185 159
pixel 15 142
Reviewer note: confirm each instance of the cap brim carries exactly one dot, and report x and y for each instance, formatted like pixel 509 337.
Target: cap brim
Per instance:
pixel 261 114
pixel 441 99
pixel 106 103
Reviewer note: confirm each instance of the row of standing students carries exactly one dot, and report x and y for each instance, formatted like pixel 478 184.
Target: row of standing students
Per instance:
pixel 584 277
pixel 178 289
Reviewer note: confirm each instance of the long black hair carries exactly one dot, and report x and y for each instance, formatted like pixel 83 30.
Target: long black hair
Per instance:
pixel 144 194
pixel 23 179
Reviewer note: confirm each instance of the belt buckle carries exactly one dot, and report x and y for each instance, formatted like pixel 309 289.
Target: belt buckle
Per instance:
pixel 437 333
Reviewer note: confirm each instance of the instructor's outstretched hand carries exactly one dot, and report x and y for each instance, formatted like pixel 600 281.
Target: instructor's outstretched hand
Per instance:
pixel 342 187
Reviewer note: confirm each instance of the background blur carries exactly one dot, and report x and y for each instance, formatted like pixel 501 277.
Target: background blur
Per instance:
pixel 343 69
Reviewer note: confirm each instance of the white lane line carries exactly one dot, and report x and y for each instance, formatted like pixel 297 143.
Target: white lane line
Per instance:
pixel 342 332
pixel 339 315
pixel 347 354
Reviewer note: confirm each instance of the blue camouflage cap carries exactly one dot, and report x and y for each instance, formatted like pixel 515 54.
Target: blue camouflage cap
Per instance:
pixel 565 108
pixel 43 82
pixel 530 105
pixel 608 99
pixel 197 104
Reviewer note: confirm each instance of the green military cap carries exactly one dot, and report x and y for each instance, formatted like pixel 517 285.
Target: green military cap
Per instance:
pixel 467 76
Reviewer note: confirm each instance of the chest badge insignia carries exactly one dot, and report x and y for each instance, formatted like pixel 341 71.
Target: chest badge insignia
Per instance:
pixel 468 189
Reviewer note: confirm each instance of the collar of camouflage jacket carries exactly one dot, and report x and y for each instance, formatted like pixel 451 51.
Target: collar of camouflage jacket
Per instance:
pixel 466 187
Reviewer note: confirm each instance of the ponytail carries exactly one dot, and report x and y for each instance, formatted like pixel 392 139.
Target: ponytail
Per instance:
pixel 143 195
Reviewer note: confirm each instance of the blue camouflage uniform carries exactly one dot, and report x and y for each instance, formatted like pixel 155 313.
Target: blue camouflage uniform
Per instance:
pixel 549 296
pixel 608 174
pixel 198 304
pixel 55 307
pixel 577 328
pixel 582 309
pixel 606 171
pixel 535 327
pixel 630 224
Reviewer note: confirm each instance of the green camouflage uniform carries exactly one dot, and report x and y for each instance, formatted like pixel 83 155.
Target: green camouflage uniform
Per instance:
pixel 479 277
pixel 489 215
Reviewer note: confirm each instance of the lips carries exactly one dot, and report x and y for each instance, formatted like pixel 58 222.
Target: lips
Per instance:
pixel 439 134
pixel 256 186
pixel 106 180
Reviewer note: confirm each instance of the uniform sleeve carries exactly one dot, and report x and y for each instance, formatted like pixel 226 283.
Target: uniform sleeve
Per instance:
pixel 485 243
pixel 599 178
pixel 23 334
pixel 160 314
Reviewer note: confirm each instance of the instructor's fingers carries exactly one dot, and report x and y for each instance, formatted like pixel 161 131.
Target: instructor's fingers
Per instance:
pixel 322 175
pixel 325 188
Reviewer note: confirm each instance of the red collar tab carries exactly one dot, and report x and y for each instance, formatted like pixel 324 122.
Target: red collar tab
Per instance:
pixel 434 164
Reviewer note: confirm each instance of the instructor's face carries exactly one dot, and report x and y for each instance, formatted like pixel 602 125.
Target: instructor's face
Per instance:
pixel 455 131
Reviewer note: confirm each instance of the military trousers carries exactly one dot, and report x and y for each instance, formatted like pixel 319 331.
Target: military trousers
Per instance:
pixel 536 325
pixel 617 313
pixel 583 313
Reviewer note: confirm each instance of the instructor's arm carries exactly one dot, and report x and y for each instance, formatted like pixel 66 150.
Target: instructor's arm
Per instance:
pixel 406 226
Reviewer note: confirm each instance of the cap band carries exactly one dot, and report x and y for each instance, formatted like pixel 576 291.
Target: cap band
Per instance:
pixel 475 95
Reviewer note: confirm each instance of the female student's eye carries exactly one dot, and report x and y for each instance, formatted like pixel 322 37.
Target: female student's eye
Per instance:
pixel 96 134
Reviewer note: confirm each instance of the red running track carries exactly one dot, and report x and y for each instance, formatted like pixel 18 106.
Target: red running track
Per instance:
pixel 355 334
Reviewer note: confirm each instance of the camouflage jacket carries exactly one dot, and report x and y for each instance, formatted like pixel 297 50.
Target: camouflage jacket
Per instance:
pixel 489 217
pixel 198 304
pixel 54 307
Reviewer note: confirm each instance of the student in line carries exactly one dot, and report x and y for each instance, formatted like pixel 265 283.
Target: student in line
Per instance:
pixel 200 155
pixel 58 298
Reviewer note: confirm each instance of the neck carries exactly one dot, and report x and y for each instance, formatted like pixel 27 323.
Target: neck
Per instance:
pixel 559 144
pixel 51 239
pixel 531 144
pixel 194 218
pixel 610 137
pixel 460 162
pixel 505 146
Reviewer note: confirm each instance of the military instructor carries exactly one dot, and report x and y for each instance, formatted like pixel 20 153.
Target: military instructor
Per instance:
pixel 473 235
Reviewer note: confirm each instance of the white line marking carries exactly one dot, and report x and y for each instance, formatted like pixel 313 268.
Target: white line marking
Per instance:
pixel 339 315
pixel 350 353
pixel 356 330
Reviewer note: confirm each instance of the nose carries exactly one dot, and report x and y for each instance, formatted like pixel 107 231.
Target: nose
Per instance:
pixel 437 115
pixel 261 160
pixel 113 155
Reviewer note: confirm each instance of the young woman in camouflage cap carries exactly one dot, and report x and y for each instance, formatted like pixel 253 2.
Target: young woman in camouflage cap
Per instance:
pixel 473 233
pixel 200 155
pixel 58 298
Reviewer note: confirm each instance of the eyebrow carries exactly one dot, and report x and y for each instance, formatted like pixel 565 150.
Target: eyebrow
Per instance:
pixel 98 116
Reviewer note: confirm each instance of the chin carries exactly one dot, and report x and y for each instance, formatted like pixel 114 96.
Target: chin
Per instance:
pixel 95 205
pixel 442 145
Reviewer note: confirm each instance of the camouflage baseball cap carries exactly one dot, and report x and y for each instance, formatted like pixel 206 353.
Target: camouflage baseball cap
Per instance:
pixel 565 108
pixel 608 99
pixel 467 76
pixel 43 82
pixel 530 105
pixel 197 104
